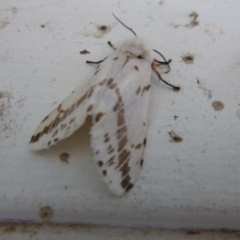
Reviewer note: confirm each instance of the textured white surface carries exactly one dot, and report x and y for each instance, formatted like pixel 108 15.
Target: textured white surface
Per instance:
pixel 189 184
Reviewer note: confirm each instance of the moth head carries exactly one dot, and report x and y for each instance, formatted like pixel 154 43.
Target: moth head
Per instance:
pixel 136 48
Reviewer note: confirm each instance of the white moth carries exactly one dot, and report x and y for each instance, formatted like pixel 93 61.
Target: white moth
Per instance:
pixel 116 97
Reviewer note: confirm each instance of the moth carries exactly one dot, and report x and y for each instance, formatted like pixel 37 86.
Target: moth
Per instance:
pixel 116 97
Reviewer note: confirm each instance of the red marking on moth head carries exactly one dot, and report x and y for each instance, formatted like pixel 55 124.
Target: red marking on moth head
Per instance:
pixel 153 64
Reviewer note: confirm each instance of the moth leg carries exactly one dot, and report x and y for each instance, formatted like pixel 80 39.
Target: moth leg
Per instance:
pixel 175 88
pixel 111 46
pixel 91 62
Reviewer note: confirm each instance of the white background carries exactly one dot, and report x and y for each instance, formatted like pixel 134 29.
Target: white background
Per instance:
pixel 190 184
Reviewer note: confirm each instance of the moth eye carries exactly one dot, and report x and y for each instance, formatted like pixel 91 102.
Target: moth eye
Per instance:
pixel 140 57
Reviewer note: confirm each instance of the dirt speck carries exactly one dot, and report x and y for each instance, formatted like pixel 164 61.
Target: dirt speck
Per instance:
pixel 84 52
pixel 3 24
pixel 193 22
pixel 101 30
pixel 175 117
pixel 64 157
pixel 45 213
pixel 188 58
pixel 174 137
pixel 218 105
pixel 42 26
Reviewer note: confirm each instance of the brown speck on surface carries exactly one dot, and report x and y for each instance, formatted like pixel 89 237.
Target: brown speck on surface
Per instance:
pixel 84 52
pixel 102 28
pixel 174 137
pixel 193 22
pixel 136 68
pixel 42 26
pixel 175 117
pixel 217 105
pixel 3 24
pixel 138 90
pixel 45 213
pixel 188 58
pixel 64 157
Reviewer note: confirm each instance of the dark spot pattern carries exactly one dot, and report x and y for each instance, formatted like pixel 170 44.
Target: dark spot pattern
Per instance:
pixel 59 107
pixel 122 158
pixel 55 133
pixel 112 86
pixel 98 117
pixel 111 161
pixel 62 114
pixel 90 108
pixel 110 149
pixel 138 146
pixel 138 90
pixel 110 81
pixel 106 138
pixel 146 88
pixel 72 120
pixel 103 82
pixel 125 182
pixel 45 118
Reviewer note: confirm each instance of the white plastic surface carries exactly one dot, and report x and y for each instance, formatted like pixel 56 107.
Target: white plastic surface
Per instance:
pixel 189 184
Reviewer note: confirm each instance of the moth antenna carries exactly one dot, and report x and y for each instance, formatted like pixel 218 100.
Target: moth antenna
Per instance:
pixel 167 62
pixel 125 25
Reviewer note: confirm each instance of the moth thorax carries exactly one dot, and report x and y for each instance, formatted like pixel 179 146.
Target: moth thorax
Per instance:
pixel 136 48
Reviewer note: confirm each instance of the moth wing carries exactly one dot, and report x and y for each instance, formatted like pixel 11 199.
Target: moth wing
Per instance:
pixel 72 112
pixel 118 134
